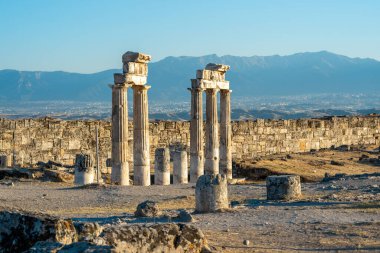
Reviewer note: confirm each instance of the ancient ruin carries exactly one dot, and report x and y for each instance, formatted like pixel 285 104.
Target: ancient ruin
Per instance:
pixel 135 71
pixel 284 187
pixel 180 171
pixel 217 157
pixel 211 193
pixel 84 170
pixel 162 166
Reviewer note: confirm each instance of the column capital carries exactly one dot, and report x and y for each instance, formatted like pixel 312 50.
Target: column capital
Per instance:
pixel 119 86
pixel 195 89
pixel 225 91
pixel 141 87
pixel 212 91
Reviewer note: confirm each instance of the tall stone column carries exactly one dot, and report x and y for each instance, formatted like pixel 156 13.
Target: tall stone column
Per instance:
pixel 196 135
pixel 212 136
pixel 120 168
pixel 225 134
pixel 141 147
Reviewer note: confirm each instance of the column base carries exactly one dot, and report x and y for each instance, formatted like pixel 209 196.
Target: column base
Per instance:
pixel 196 168
pixel 141 175
pixel 225 169
pixel 120 174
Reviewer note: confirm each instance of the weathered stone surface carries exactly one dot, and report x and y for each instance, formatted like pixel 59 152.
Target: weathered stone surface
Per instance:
pixel 129 79
pixel 211 193
pixel 162 166
pixel 84 172
pixel 210 84
pixel 210 75
pixel 156 238
pixel 88 231
pixel 180 170
pixel 147 209
pixel 135 57
pixel 18 231
pixel 3 161
pixel 217 67
pixel 184 216
pixel 284 187
pixel 135 68
pixel 211 134
pixel 59 176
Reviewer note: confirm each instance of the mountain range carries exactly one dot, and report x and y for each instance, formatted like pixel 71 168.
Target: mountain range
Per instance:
pixel 297 74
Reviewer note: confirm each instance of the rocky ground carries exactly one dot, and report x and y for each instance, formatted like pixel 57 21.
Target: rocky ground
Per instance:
pixel 335 213
pixel 342 213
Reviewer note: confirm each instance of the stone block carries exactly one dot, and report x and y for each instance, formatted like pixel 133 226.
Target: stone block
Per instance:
pixel 135 68
pixel 211 193
pixel 210 75
pixel 135 57
pixel 217 67
pixel 284 187
pixel 180 170
pixel 209 84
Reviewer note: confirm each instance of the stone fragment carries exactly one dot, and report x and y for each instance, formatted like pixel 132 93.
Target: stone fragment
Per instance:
pixel 217 67
pixel 284 187
pixel 168 237
pixel 45 246
pixel 180 170
pixel 246 242
pixel 184 216
pixel 135 57
pixel 84 172
pixel 88 231
pixel 337 163
pixel 211 193
pixel 162 166
pixel 19 231
pixel 59 176
pixel 147 209
pixel 129 79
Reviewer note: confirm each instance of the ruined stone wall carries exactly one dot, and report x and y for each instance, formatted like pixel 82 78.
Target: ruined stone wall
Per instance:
pixel 33 140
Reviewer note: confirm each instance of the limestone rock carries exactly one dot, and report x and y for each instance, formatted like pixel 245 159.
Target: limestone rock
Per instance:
pixel 211 193
pixel 59 176
pixel 19 231
pixel 217 67
pixel 156 238
pixel 135 57
pixel 184 216
pixel 284 187
pixel 88 231
pixel 147 209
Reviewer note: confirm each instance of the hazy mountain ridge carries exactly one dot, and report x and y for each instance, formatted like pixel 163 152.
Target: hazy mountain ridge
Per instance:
pixel 301 73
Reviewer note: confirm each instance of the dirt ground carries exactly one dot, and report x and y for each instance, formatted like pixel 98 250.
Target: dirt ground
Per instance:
pixel 339 215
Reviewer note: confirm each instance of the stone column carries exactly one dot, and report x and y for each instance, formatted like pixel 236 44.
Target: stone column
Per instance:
pixel 120 168
pixel 141 148
pixel 84 171
pixel 196 135
pixel 162 166
pixel 225 134
pixel 212 136
pixel 180 171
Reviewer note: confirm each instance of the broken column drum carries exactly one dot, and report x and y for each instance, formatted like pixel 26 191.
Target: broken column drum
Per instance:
pixel 162 166
pixel 3 161
pixel 196 135
pixel 211 193
pixel 180 171
pixel 84 171
pixel 284 187
pixel 120 167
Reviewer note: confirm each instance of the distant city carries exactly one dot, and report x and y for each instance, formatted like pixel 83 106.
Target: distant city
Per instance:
pixel 276 107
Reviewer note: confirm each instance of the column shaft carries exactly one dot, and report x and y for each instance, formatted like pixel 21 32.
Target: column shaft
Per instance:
pixel 225 134
pixel 196 136
pixel 141 147
pixel 212 136
pixel 120 168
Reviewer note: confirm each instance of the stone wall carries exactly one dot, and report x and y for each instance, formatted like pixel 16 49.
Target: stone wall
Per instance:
pixel 33 140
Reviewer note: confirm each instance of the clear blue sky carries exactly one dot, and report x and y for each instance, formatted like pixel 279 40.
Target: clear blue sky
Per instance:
pixel 91 35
